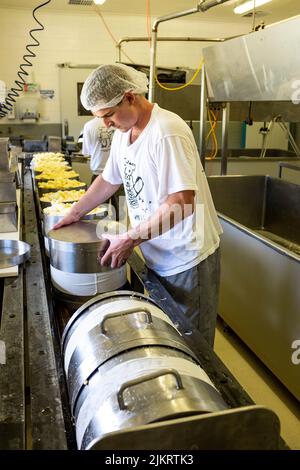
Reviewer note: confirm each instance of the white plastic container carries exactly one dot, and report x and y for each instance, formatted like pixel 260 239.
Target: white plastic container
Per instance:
pixel 88 284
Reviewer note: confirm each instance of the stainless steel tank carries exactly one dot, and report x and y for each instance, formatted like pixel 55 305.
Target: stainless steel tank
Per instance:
pixel 77 248
pixel 127 365
pixel 49 220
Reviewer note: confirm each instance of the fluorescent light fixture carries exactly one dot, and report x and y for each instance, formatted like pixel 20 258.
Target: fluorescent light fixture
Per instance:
pixel 247 6
pixel 99 2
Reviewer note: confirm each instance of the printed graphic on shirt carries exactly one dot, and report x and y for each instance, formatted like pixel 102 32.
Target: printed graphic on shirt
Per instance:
pixel 105 137
pixel 134 186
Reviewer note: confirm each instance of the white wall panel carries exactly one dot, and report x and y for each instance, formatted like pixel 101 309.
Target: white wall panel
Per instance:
pixel 82 38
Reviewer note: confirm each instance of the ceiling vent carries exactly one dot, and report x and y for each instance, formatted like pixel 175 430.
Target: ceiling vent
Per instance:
pixel 81 2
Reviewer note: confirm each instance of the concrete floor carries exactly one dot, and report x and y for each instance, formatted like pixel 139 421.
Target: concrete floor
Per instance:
pixel 262 386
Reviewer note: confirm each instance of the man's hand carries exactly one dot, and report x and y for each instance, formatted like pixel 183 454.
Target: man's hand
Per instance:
pixel 120 248
pixel 97 193
pixel 67 220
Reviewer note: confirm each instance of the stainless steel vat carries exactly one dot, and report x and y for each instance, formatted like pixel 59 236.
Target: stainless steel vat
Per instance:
pixel 127 365
pixel 246 69
pixel 77 248
pixel 260 271
pixel 250 166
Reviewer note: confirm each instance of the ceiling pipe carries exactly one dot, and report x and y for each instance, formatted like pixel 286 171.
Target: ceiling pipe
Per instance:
pixel 202 6
pixel 205 5
pixel 166 38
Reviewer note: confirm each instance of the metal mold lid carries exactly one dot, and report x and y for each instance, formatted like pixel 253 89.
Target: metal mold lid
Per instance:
pixel 79 232
pixel 13 252
pixel 86 231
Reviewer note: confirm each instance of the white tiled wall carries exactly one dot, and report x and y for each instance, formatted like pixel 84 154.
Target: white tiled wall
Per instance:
pixel 82 39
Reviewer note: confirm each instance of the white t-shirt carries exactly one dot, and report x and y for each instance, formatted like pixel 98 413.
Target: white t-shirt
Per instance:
pixel 97 143
pixel 163 160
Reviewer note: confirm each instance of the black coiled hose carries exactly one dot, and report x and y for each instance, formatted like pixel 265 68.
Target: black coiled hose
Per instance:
pixel 14 92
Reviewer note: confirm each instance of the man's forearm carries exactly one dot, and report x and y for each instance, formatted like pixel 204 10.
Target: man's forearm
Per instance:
pixel 169 214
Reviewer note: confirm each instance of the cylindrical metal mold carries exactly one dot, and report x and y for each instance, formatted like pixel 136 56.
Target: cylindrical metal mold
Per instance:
pixel 114 323
pixel 127 365
pixel 49 220
pixel 77 248
pixel 163 385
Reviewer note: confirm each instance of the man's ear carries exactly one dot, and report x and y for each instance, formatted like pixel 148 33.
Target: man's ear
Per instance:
pixel 130 97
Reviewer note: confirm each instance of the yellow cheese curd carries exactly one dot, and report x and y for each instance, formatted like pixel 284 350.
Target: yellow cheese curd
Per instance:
pixel 59 173
pixel 45 158
pixel 63 196
pixel 60 184
pixel 52 166
pixel 60 208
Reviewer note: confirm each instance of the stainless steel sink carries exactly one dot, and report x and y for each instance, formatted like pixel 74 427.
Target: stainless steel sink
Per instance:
pixel 260 247
pixel 249 162
pixel 256 153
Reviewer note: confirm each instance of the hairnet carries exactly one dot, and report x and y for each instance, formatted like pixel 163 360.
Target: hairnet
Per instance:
pixel 105 86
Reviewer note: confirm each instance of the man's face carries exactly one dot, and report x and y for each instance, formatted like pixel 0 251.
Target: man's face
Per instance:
pixel 123 116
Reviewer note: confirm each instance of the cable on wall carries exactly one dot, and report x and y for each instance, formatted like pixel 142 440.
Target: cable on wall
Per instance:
pixel 6 107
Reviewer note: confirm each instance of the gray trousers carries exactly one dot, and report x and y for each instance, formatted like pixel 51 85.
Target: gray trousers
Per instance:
pixel 196 291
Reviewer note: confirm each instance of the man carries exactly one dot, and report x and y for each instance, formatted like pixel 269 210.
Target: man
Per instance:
pixel 96 142
pixel 172 215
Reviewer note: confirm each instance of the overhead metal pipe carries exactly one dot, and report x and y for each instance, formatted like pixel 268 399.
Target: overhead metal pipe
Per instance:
pixel 202 6
pixel 154 45
pixel 207 4
pixel 171 38
pixel 166 39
